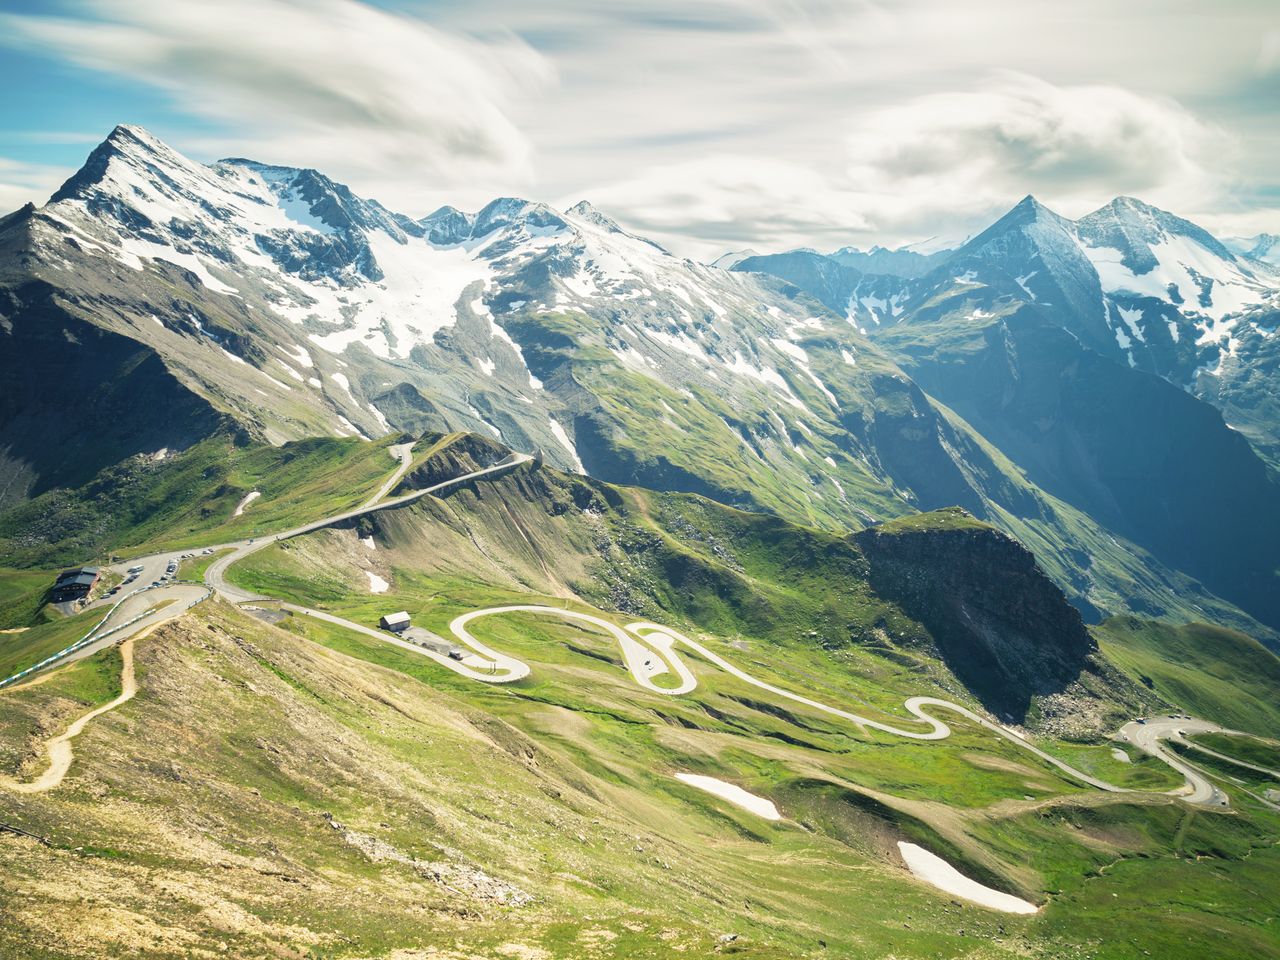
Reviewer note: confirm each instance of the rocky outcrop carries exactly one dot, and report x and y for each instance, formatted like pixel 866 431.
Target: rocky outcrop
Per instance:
pixel 76 398
pixel 466 453
pixel 998 621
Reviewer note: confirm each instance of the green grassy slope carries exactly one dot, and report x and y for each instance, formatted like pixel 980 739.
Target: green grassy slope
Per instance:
pixel 22 595
pixel 271 787
pixel 1259 752
pixel 284 784
pixel 22 649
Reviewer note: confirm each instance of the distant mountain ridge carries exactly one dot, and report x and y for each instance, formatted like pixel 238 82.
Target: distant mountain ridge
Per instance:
pixel 1045 333
pixel 1136 281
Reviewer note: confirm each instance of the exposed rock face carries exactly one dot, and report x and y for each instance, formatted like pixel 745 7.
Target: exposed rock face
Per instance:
pixel 999 622
pixel 76 398
pixel 465 455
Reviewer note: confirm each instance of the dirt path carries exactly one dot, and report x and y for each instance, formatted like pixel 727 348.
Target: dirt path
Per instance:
pixel 59 749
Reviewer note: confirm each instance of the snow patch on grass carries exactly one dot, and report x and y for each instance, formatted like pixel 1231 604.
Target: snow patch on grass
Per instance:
pixel 750 802
pixel 248 499
pixel 932 869
pixel 560 434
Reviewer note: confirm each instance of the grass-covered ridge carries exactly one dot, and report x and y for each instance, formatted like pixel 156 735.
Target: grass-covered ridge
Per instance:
pixel 933 521
pixel 189 499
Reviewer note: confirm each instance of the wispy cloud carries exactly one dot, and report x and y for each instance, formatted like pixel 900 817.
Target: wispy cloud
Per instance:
pixel 721 123
pixel 375 97
pixel 22 182
pixel 1013 134
pixel 939 162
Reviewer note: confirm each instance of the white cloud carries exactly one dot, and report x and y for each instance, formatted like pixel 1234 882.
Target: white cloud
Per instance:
pixel 385 101
pixel 22 182
pixel 939 163
pixel 724 123
pixel 1018 134
pixel 703 206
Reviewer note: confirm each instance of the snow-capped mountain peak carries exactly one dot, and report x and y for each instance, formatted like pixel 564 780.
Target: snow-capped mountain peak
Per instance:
pixel 293 299
pixel 1151 261
pixel 1135 228
pixel 583 210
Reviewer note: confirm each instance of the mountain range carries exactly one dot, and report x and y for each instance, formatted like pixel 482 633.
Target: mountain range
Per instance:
pixel 1071 383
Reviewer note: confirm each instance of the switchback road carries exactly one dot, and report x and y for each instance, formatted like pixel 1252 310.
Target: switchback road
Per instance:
pixel 649 650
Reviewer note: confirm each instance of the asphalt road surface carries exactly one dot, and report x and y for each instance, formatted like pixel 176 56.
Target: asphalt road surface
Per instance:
pixel 1149 736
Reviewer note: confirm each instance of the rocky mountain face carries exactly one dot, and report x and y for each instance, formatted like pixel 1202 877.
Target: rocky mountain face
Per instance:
pixel 998 622
pixel 276 303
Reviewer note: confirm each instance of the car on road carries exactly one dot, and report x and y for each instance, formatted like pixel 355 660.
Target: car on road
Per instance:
pixel 1142 720
pixel 135 569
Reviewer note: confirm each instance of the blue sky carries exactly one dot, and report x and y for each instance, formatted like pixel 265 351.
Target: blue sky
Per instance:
pixel 710 125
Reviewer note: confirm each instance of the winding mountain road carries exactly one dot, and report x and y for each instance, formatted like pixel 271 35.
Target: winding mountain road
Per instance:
pixel 648 650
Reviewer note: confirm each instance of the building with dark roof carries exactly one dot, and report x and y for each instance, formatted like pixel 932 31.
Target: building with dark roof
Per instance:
pixel 75 583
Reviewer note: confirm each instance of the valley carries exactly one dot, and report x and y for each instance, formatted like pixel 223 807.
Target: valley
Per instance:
pixel 499 496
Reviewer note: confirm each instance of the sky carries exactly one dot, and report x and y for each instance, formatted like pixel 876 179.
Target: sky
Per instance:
pixel 709 126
